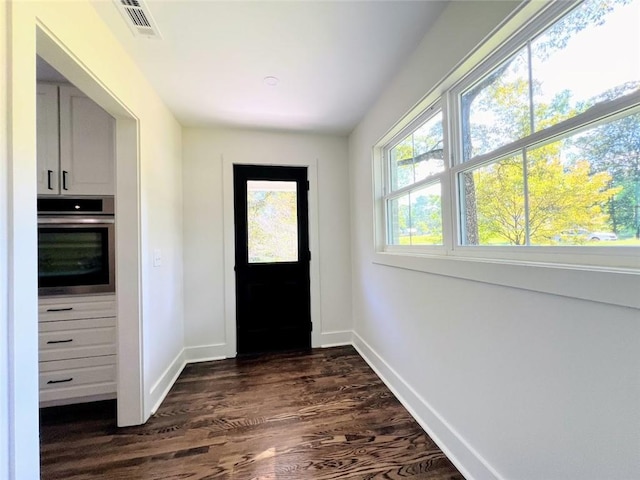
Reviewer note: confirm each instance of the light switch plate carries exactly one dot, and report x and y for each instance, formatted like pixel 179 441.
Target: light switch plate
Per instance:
pixel 157 257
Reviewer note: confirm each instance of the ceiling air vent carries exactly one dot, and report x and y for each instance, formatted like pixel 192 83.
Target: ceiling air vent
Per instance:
pixel 136 14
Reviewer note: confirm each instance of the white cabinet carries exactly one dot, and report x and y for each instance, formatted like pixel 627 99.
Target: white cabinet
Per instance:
pixel 77 349
pixel 76 143
pixel 48 137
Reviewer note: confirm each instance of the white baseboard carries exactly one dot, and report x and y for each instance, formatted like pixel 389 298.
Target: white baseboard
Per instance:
pixel 336 339
pixel 205 353
pixel 161 388
pixel 466 459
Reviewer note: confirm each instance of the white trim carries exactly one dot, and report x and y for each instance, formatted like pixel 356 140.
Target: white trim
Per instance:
pixel 466 459
pixel 131 409
pixel 336 339
pixel 21 243
pixel 604 285
pixel 229 247
pixel 314 248
pixel 205 353
pixel 159 391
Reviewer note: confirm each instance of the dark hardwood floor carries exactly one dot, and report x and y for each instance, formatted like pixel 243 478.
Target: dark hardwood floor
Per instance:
pixel 319 415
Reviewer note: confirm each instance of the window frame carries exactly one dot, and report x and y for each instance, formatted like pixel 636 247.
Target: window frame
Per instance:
pixel 441 178
pixel 447 97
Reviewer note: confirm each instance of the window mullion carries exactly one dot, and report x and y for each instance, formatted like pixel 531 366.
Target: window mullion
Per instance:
pixel 525 192
pixel 433 179
pixel 448 189
pixel 596 114
pixel 532 129
pixel 413 157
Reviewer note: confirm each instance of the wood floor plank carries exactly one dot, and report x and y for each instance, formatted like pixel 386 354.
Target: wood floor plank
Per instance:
pixel 317 415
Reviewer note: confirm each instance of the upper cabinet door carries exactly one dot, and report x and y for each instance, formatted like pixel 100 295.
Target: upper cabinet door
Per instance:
pixel 87 145
pixel 47 137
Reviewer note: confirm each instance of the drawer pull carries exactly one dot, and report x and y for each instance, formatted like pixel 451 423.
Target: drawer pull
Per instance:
pixel 66 380
pixel 59 309
pixel 60 341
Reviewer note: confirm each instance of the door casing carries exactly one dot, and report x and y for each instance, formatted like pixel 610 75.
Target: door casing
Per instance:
pixel 133 407
pixel 230 349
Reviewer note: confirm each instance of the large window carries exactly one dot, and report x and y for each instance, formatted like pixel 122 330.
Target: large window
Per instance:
pixel 541 147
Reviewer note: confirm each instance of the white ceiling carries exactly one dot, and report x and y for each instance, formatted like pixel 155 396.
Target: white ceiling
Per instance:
pixel 332 58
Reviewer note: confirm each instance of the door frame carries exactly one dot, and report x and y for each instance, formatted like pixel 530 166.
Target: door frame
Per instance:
pixel 131 408
pixel 230 348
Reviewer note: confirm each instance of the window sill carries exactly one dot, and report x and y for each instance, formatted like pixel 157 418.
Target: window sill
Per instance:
pixel 615 286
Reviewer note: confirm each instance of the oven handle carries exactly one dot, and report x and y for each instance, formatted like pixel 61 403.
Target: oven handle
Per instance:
pixel 66 220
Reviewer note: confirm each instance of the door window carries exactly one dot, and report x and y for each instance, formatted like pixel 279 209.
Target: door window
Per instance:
pixel 272 221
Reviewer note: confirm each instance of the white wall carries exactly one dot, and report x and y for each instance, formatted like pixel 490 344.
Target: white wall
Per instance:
pixel 161 222
pixel 514 384
pixel 4 294
pixel 204 150
pixel 108 75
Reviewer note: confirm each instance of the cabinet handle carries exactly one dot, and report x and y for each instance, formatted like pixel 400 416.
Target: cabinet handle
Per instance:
pixel 66 380
pixel 64 180
pixel 59 309
pixel 49 172
pixel 60 341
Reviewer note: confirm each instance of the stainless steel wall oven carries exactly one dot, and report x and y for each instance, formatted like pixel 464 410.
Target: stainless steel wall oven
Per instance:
pixel 76 245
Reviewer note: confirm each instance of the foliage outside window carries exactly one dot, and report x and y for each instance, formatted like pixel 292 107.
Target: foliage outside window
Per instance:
pixel 272 221
pixel 544 139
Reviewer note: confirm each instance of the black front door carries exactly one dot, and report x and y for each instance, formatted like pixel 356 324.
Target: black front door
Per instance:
pixel 273 307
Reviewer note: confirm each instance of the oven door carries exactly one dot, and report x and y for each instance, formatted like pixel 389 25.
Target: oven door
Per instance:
pixel 75 255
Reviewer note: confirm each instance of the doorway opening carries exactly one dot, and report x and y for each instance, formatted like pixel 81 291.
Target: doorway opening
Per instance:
pixel 130 398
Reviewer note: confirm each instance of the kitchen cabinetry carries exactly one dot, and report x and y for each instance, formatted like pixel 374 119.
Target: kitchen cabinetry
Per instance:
pixel 77 349
pixel 76 143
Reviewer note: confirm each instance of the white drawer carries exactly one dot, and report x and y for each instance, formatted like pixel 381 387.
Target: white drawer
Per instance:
pixel 76 343
pixel 77 394
pixel 70 308
pixel 80 378
pixel 85 323
pixel 75 363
